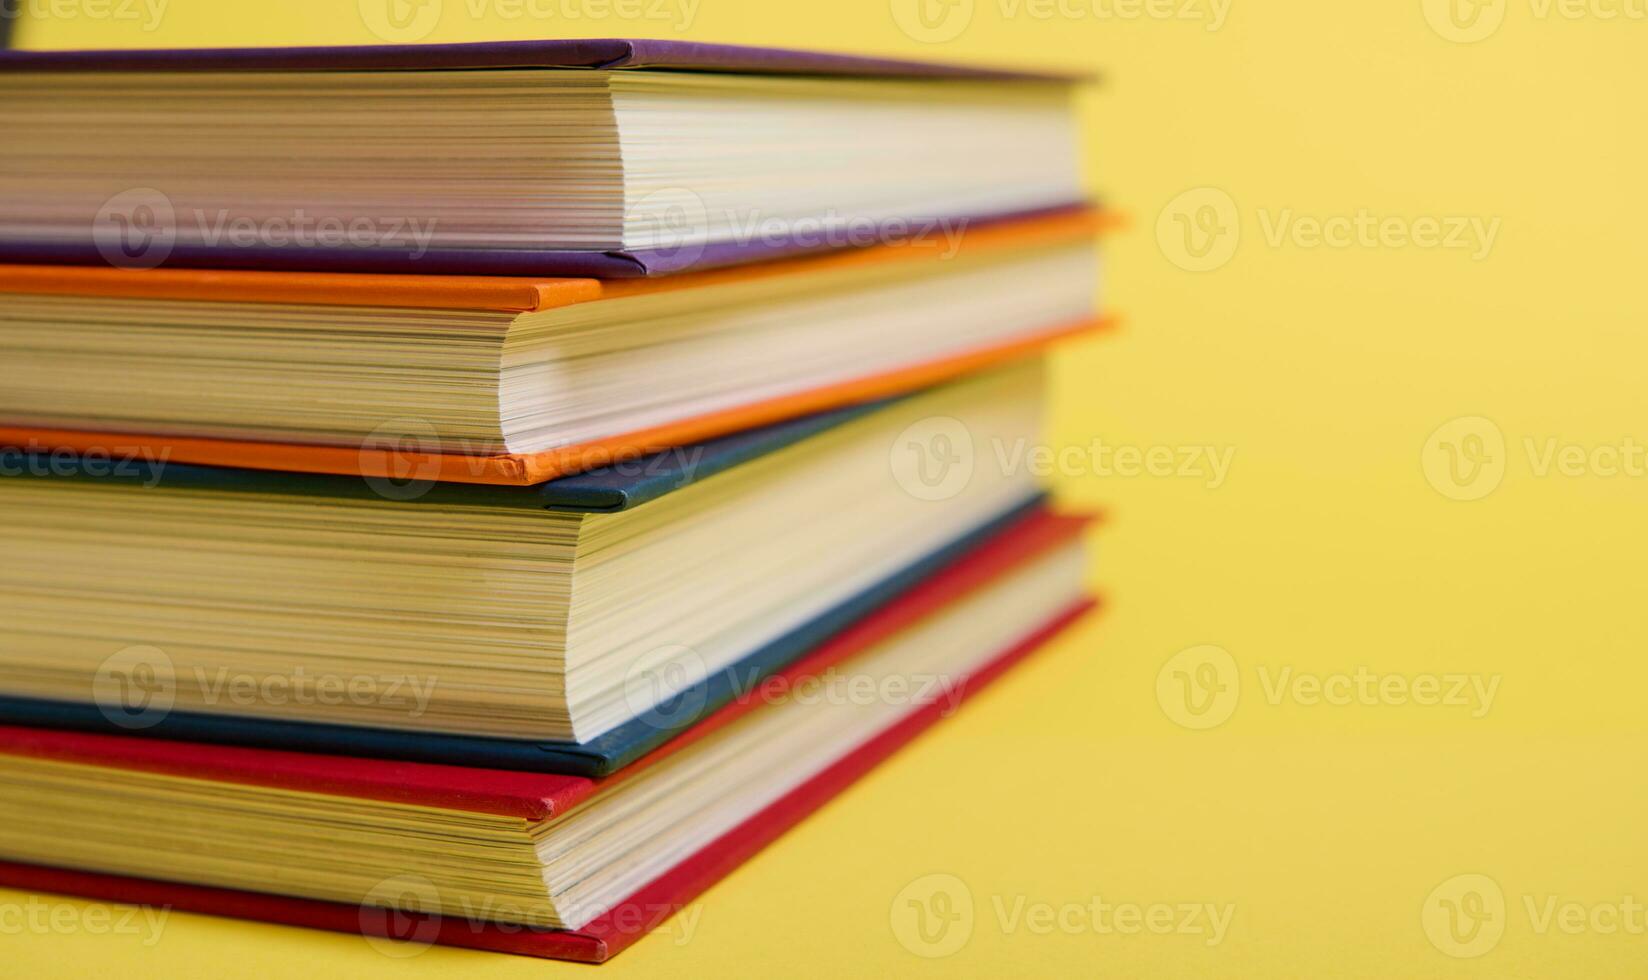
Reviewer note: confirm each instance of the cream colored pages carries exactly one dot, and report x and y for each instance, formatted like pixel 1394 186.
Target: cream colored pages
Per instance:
pixel 471 619
pixel 406 162
pixel 558 873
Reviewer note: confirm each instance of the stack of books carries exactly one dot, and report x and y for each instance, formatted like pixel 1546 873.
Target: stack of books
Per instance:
pixel 481 494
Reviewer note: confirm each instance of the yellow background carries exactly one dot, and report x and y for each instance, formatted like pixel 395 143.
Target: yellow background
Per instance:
pixel 1326 549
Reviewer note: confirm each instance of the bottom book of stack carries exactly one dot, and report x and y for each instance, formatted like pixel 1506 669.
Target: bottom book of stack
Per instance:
pixel 568 867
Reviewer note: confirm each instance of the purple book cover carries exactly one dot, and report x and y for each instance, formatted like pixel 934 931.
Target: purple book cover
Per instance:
pixel 614 54
pixel 604 54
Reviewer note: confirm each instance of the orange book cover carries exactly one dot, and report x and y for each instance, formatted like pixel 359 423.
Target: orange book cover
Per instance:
pixel 518 295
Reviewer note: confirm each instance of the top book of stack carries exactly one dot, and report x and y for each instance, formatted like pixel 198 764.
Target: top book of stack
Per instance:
pixel 606 158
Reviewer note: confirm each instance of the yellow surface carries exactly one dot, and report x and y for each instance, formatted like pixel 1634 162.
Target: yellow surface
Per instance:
pixel 1334 542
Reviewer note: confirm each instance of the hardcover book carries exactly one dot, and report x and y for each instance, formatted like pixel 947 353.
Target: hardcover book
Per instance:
pixel 559 866
pixel 512 381
pixel 605 158
pixel 552 628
